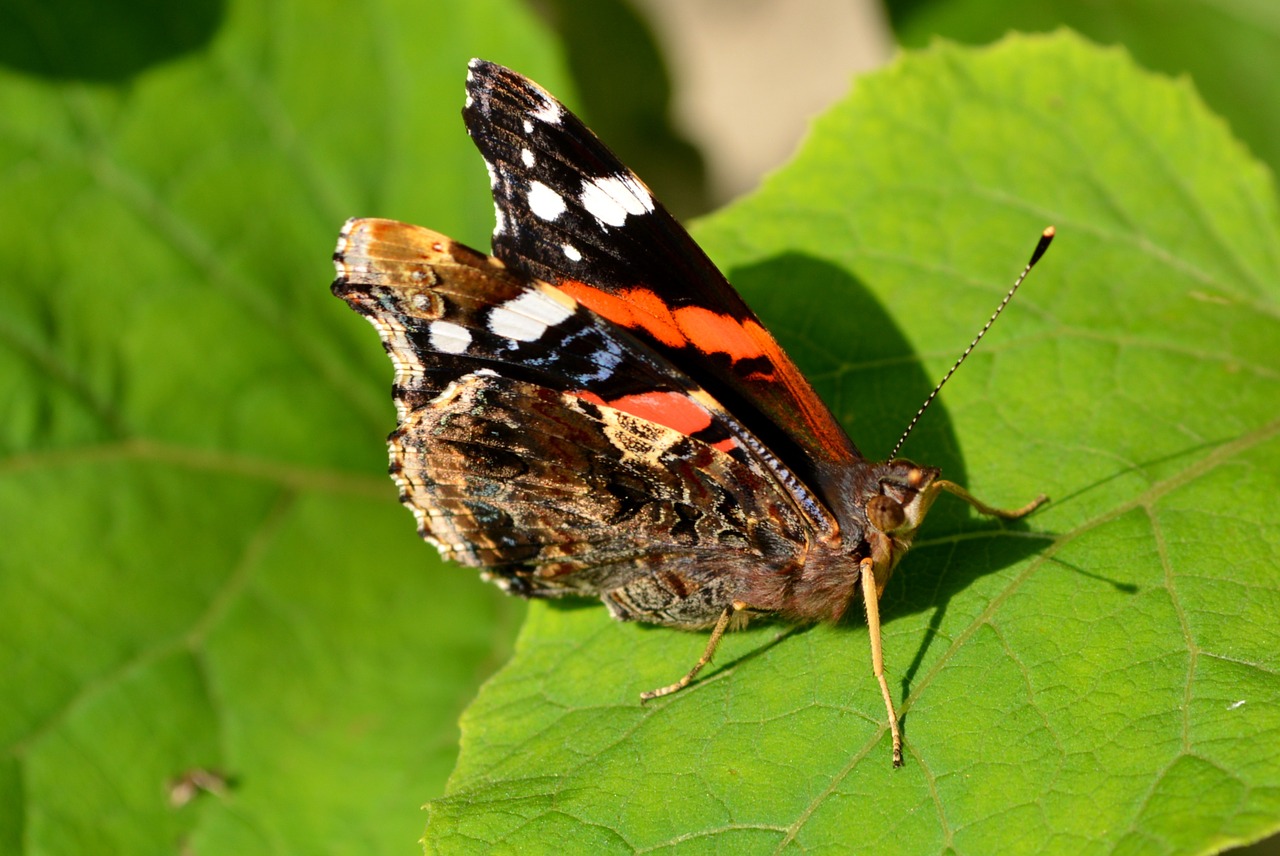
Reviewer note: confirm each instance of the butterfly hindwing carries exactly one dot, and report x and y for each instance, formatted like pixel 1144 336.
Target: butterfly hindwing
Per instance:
pixel 529 483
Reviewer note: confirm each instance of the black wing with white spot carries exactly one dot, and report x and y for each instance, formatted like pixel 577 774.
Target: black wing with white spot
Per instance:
pixel 570 213
pixel 568 209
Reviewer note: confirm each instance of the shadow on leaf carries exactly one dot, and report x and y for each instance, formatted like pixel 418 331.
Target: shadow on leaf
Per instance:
pixel 104 42
pixel 854 354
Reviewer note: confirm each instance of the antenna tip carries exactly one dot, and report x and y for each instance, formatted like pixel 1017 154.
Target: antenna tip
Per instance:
pixel 1045 238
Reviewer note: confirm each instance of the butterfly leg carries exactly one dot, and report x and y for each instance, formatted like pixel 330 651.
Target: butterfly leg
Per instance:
pixel 722 624
pixel 1006 514
pixel 872 601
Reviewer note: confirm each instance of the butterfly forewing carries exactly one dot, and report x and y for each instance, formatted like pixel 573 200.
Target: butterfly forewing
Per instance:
pixel 570 213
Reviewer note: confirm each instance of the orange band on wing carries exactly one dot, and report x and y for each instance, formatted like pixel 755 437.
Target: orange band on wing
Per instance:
pixel 706 330
pixel 716 333
pixel 770 372
pixel 635 308
pixel 674 410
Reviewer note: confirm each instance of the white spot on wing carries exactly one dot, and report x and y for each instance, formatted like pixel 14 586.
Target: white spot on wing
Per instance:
pixel 493 174
pixel 526 157
pixel 527 317
pixel 612 198
pixel 550 111
pixel 528 126
pixel 544 202
pixel 449 338
pixel 571 252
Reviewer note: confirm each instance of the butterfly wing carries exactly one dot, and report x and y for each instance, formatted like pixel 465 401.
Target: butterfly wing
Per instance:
pixel 570 213
pixel 546 443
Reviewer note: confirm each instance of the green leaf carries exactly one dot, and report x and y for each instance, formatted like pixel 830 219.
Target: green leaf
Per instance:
pixel 204 565
pixel 1228 48
pixel 1100 677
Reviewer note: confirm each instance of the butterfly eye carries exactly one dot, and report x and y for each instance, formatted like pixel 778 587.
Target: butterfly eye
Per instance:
pixel 885 513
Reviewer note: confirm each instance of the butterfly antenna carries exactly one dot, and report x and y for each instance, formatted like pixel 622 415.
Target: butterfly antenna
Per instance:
pixel 1046 238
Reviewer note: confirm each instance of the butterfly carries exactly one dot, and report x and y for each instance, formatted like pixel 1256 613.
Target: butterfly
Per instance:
pixel 592 410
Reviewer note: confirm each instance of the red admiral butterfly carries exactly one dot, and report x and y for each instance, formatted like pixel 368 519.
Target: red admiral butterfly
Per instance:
pixel 594 410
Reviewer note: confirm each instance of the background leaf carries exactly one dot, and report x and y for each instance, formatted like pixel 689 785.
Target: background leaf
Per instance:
pixel 1100 677
pixel 203 563
pixel 1231 48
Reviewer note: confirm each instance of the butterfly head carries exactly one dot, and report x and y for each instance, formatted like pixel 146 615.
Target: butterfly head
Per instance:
pixel 900 497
